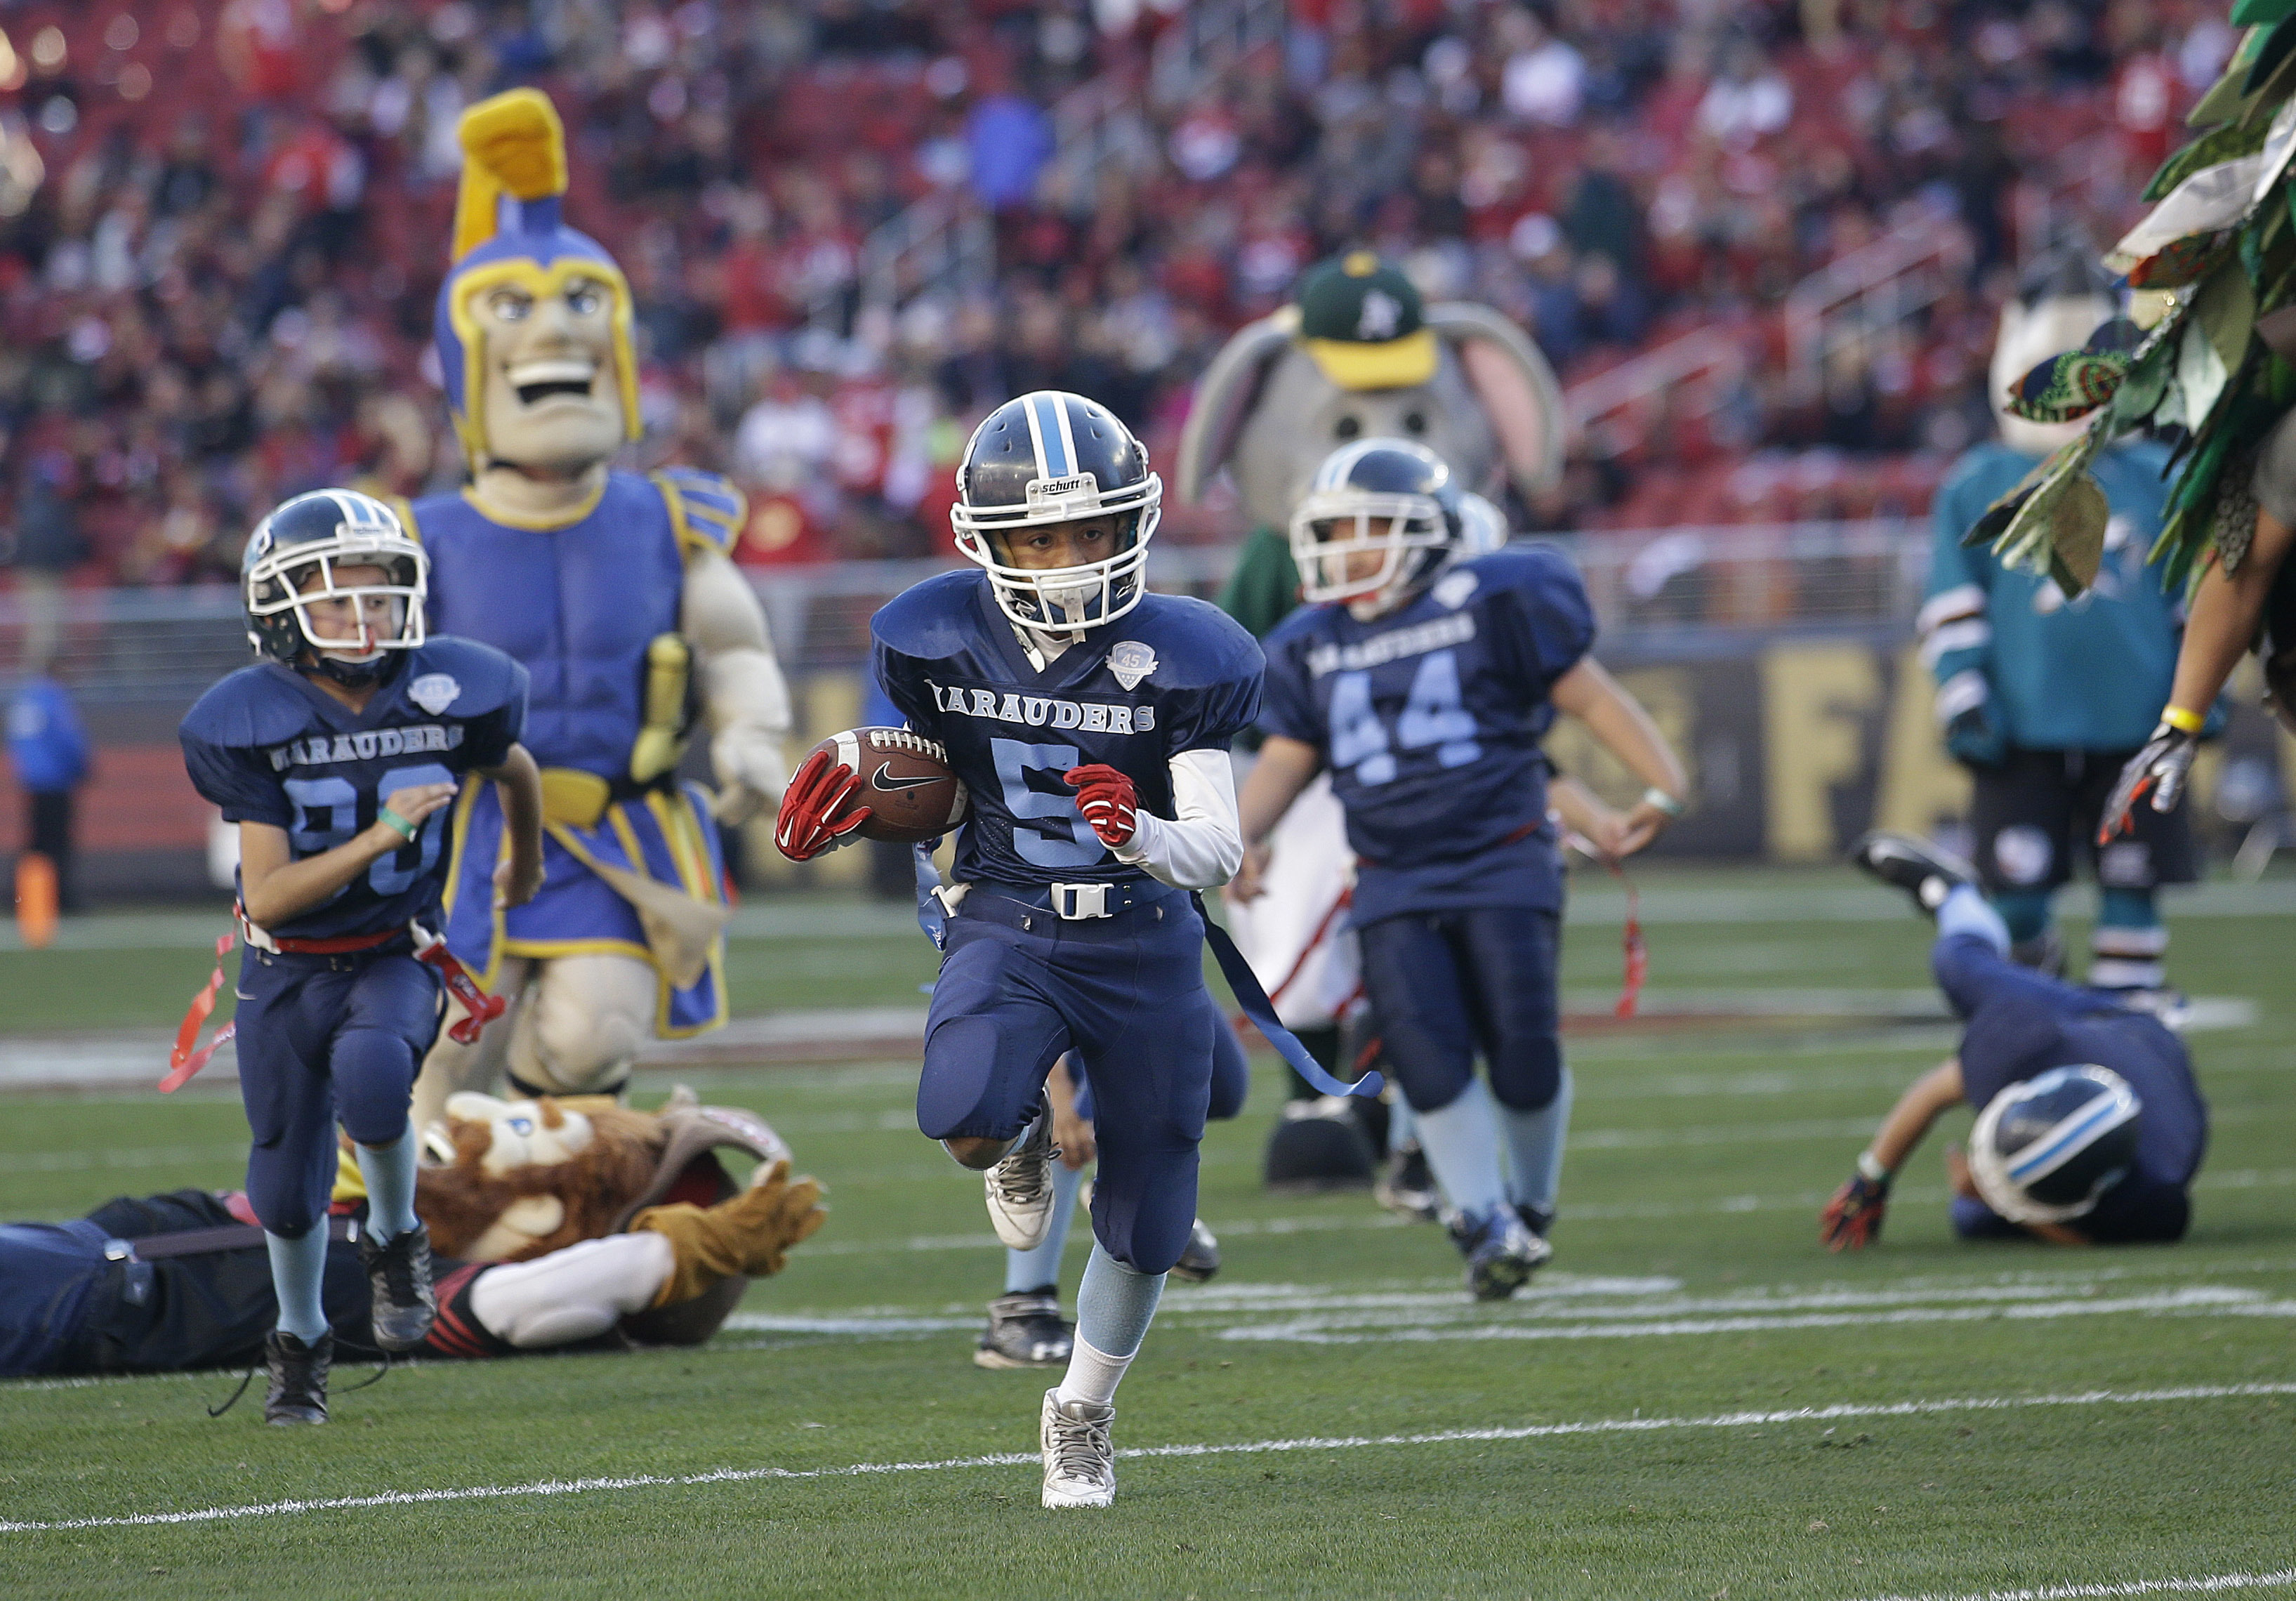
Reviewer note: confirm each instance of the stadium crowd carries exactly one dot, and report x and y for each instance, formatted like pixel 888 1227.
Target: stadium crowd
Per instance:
pixel 202 320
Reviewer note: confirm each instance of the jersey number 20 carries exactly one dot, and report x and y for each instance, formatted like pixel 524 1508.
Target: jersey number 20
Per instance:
pixel 334 800
pixel 1432 715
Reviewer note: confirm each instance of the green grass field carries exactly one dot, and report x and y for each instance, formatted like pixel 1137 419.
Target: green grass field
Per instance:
pixel 1694 1402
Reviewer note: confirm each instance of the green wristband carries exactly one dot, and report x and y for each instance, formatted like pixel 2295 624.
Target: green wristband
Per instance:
pixel 392 819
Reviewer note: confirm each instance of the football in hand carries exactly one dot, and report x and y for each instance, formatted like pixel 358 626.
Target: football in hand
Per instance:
pixel 904 780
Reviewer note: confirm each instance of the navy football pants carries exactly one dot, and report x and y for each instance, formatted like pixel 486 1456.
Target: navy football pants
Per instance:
pixel 1444 983
pixel 321 1039
pixel 1231 1073
pixel 1127 995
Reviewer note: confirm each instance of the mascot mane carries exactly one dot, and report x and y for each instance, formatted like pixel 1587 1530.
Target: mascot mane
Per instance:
pixel 462 1201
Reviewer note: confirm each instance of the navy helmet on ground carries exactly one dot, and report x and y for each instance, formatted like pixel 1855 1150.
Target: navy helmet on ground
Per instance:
pixel 293 558
pixel 1051 458
pixel 2044 1150
pixel 1392 498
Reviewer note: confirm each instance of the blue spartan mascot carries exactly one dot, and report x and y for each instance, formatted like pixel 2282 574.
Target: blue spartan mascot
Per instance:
pixel 617 592
pixel 2090 1127
pixel 2044 699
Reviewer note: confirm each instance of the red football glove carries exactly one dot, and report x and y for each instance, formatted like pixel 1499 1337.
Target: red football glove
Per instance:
pixel 811 819
pixel 1852 1219
pixel 1108 800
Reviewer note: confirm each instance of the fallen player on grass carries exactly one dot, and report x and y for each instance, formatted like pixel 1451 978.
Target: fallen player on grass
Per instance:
pixel 2090 1126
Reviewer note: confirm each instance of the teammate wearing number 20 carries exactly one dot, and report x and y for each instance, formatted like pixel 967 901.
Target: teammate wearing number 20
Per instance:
pixel 337 756
pixel 1090 721
pixel 1424 681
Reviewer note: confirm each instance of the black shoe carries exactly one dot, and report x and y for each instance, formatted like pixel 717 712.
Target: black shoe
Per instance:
pixel 1538 1220
pixel 298 1392
pixel 1026 1330
pixel 400 1270
pixel 1200 1260
pixel 1916 866
pixel 1407 1187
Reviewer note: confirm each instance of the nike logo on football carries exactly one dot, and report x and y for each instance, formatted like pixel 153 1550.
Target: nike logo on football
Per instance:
pixel 880 781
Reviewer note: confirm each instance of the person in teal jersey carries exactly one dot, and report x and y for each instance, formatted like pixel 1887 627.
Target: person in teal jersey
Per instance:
pixel 616 592
pixel 2044 699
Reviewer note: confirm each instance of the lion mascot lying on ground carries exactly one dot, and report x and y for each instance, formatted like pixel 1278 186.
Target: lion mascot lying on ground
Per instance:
pixel 556 1224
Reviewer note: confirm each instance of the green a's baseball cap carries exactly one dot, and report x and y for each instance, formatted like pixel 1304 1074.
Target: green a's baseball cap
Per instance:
pixel 1361 320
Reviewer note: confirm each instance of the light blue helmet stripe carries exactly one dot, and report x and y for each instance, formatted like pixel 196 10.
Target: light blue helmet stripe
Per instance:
pixel 1050 434
pixel 2071 1138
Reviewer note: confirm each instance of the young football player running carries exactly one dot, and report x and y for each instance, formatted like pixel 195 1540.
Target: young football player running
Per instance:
pixel 1090 720
pixel 1423 680
pixel 336 756
pixel 2089 1128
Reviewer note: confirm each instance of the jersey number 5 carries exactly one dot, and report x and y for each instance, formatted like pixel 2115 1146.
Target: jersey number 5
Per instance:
pixel 1432 715
pixel 1064 841
pixel 327 815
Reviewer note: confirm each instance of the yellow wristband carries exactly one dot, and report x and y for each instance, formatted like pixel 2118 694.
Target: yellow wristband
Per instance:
pixel 2183 721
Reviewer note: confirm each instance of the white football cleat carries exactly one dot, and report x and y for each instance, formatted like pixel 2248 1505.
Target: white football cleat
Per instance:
pixel 1021 1189
pixel 1080 1461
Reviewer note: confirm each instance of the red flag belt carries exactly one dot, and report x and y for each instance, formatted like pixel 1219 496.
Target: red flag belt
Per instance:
pixel 478 1007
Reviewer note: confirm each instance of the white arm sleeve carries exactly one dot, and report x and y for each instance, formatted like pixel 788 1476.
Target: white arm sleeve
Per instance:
pixel 576 1294
pixel 1201 846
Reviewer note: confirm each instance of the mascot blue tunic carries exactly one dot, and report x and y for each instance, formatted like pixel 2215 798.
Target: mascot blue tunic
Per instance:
pixel 616 592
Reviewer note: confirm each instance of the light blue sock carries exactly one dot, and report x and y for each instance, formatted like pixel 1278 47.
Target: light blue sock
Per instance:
pixel 1461 1142
pixel 298 1270
pixel 1114 1307
pixel 1402 1125
pixel 1534 1142
pixel 1964 911
pixel 390 1174
pixel 1033 1270
pixel 1115 1304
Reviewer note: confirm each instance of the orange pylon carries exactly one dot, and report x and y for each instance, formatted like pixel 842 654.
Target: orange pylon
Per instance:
pixel 35 899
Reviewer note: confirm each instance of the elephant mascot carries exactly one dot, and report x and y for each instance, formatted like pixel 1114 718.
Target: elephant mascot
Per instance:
pixel 1356 354
pixel 617 592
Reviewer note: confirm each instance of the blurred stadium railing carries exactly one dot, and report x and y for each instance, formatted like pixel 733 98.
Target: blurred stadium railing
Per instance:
pixel 1778 658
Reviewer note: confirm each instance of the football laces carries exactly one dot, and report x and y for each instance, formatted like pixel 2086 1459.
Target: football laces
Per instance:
pixel 885 739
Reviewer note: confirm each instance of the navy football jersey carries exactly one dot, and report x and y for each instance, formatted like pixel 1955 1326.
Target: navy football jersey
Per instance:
pixel 2016 1037
pixel 1429 719
pixel 1169 676
pixel 268 747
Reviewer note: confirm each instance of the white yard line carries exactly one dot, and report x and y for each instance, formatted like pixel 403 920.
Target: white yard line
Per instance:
pixel 1565 1312
pixel 2212 1584
pixel 2201 1301
pixel 1549 1430
pixel 155 1156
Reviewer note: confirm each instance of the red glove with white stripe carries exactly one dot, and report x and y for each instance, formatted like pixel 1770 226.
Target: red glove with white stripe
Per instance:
pixel 812 818
pixel 1108 799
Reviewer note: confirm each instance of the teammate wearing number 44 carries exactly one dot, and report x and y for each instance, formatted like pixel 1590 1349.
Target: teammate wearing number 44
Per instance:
pixel 1423 679
pixel 337 756
pixel 1090 721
